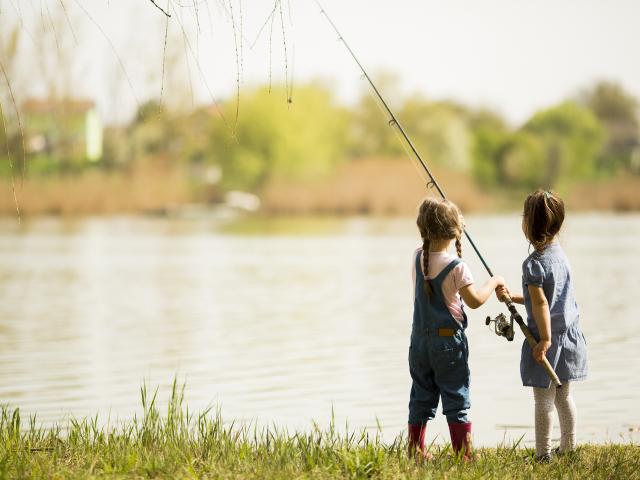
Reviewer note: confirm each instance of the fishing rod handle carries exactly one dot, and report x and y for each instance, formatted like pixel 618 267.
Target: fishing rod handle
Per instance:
pixel 531 340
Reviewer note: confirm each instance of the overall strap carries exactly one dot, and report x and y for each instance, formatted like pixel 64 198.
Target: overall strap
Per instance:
pixel 433 313
pixel 445 271
pixel 417 265
pixel 441 276
pixel 436 283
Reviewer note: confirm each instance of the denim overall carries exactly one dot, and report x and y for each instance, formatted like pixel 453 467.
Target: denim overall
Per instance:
pixel 438 355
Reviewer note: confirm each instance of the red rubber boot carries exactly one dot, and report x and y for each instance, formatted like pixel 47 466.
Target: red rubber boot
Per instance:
pixel 461 439
pixel 417 433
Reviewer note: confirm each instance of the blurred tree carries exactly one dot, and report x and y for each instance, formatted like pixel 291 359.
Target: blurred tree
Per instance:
pixel 489 137
pixel 522 161
pixel 572 139
pixel 370 133
pixel 439 132
pixel 156 134
pixel 617 110
pixel 271 139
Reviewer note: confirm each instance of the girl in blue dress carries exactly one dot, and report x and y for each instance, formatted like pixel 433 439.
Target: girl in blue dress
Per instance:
pixel 553 317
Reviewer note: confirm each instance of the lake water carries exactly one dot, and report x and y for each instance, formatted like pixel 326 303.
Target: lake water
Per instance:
pixel 283 321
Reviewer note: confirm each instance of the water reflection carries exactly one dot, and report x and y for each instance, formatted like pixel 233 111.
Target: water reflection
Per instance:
pixel 286 326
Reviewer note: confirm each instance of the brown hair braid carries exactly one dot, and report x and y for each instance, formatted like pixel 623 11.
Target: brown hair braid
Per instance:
pixel 437 220
pixel 425 265
pixel 542 217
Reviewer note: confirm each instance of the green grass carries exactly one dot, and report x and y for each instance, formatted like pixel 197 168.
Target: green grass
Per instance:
pixel 178 444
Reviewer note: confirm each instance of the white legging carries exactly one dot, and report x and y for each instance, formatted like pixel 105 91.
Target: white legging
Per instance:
pixel 545 398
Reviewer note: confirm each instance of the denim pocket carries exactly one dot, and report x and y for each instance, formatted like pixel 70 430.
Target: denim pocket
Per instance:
pixel 448 352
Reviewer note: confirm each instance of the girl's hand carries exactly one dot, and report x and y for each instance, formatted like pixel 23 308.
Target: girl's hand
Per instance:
pixel 499 281
pixel 540 350
pixel 502 292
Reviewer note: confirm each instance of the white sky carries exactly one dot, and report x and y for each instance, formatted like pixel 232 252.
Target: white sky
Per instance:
pixel 515 56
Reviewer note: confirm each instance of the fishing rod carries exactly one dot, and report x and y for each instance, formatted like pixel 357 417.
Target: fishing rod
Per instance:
pixel 502 326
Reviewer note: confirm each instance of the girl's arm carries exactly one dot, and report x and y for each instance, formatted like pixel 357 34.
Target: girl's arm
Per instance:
pixel 474 298
pixel 542 317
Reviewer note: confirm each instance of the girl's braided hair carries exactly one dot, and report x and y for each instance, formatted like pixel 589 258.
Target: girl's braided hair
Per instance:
pixel 542 217
pixel 437 220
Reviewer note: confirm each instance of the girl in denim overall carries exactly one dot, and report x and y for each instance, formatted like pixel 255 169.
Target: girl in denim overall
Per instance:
pixel 553 317
pixel 439 351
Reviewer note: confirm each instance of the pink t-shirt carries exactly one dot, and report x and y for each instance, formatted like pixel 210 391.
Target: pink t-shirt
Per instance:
pixel 457 278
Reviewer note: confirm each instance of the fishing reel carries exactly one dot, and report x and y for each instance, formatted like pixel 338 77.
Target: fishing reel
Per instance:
pixel 502 326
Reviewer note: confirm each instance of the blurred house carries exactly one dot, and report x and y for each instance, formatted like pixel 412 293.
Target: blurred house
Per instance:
pixel 66 130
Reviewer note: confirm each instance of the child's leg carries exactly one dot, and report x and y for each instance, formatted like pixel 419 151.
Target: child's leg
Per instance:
pixel 454 389
pixel 452 377
pixel 544 399
pixel 567 415
pixel 423 400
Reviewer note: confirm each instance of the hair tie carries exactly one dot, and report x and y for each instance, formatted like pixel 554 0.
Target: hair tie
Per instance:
pixel 547 194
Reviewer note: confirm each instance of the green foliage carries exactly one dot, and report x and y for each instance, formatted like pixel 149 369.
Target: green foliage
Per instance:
pixel 273 139
pixel 571 138
pixel 559 144
pixel 522 161
pixel 155 132
pixel 489 136
pixel 369 132
pixel 617 110
pixel 439 130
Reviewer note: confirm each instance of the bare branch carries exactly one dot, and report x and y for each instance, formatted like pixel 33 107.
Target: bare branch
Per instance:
pixel 66 14
pixel 113 49
pixel 215 102
pixel 161 9
pixel 13 183
pixel 164 57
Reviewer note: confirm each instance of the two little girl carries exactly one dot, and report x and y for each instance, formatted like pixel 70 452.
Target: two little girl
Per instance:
pixel 439 351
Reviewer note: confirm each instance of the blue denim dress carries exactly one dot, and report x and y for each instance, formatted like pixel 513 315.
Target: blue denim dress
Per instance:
pixel 438 355
pixel 567 355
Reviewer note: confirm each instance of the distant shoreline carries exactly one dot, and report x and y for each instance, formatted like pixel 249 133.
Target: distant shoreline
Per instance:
pixel 376 187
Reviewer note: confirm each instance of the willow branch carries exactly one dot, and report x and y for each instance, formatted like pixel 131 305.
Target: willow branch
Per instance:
pixel 161 9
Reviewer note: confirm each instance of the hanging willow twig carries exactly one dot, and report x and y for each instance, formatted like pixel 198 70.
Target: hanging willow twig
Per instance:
pixel 161 9
pixel 24 149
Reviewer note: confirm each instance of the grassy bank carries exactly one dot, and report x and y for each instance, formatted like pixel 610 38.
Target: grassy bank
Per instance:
pixel 366 186
pixel 178 444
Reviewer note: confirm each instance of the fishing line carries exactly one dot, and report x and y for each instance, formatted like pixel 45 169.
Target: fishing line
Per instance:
pixel 393 121
pixel 420 173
